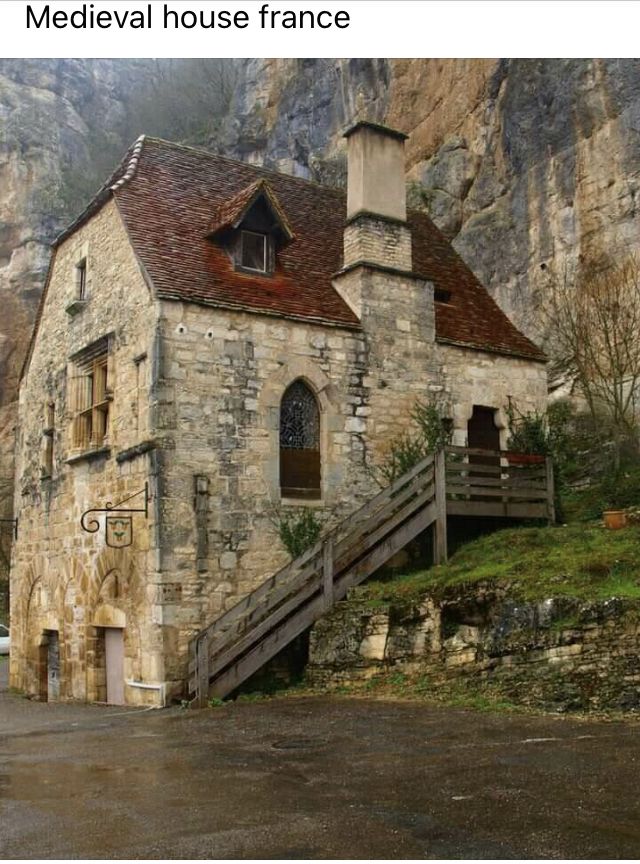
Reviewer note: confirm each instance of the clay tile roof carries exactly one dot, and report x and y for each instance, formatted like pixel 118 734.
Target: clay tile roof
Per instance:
pixel 176 194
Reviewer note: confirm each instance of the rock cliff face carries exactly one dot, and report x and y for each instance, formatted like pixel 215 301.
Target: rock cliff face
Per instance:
pixel 525 163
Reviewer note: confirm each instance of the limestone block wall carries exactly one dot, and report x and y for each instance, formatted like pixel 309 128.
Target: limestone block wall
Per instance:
pixel 64 579
pixel 397 314
pixel 378 241
pixel 559 653
pixel 223 375
pixel 473 377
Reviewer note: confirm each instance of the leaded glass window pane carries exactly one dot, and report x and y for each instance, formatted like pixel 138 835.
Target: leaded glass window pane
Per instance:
pixel 299 419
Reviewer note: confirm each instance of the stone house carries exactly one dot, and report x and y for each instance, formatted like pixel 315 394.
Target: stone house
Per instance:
pixel 236 342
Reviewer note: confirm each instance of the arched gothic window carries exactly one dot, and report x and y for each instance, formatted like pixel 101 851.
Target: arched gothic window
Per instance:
pixel 299 443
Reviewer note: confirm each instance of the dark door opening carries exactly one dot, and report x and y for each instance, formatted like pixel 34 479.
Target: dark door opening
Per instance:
pixel 53 666
pixel 482 432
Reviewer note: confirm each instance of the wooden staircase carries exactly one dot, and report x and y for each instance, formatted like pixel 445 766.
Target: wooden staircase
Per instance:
pixel 453 481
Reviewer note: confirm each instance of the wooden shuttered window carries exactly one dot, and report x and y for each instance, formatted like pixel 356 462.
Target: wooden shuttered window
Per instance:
pixel 90 399
pixel 300 465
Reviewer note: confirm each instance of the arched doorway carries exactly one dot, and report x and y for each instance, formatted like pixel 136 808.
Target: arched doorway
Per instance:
pixel 300 469
pixel 482 432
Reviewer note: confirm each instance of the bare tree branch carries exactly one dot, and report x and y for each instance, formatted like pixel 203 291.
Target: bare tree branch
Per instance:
pixel 593 323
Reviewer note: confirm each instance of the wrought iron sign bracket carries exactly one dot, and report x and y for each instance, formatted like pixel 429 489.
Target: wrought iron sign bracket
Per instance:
pixel 13 522
pixel 92 525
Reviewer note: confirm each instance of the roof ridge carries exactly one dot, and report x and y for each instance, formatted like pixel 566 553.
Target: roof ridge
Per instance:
pixel 270 171
pixel 134 159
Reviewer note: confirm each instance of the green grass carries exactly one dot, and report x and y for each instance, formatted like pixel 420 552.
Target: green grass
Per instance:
pixel 585 561
pixel 464 692
pixel 616 490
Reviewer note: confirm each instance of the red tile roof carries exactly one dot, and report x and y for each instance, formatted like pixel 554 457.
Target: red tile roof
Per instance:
pixel 168 196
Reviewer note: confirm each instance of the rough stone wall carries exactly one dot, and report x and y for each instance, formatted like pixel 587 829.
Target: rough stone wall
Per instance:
pixel 64 579
pixel 377 241
pixel 559 653
pixel 479 378
pixel 224 375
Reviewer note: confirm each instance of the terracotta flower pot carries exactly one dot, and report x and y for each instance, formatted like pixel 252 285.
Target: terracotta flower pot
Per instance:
pixel 614 519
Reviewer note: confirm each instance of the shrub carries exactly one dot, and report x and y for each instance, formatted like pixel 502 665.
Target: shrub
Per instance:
pixel 432 432
pixel 528 431
pixel 299 530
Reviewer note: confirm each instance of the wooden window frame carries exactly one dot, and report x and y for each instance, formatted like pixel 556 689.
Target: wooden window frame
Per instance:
pixel 81 279
pixel 91 401
pixel 266 239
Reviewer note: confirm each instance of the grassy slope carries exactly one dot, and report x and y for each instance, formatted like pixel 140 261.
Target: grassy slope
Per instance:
pixel 580 560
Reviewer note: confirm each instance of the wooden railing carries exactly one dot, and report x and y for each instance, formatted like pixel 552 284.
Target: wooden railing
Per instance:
pixel 499 483
pixel 454 481
pixel 245 637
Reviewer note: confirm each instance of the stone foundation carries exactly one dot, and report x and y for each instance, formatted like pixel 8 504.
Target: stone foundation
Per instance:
pixel 559 653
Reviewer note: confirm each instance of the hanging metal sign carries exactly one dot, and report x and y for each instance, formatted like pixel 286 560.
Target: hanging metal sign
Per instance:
pixel 118 529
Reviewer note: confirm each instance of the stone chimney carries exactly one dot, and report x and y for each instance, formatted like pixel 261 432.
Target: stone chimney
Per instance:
pixel 376 231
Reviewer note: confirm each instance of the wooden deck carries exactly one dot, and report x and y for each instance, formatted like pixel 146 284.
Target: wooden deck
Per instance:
pixel 456 481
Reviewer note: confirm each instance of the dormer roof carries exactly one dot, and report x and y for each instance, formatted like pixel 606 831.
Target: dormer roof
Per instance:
pixel 230 214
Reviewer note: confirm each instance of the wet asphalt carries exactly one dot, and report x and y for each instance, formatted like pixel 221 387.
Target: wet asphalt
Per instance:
pixel 313 778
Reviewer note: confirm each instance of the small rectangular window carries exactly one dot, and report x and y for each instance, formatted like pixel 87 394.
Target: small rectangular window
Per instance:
pixel 254 251
pixel 81 280
pixel 48 438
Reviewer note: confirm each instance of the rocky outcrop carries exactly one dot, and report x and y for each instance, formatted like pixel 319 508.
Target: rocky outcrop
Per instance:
pixel 559 653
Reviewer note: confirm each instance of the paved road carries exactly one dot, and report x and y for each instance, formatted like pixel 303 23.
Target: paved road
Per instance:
pixel 313 778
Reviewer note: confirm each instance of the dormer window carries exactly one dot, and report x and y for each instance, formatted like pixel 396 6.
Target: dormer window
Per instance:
pixel 254 251
pixel 252 228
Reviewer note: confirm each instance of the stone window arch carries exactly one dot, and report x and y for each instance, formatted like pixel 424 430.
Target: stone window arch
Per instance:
pixel 299 433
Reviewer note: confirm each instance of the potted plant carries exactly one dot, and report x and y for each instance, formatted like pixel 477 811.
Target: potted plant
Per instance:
pixel 620 495
pixel 528 442
pixel 614 514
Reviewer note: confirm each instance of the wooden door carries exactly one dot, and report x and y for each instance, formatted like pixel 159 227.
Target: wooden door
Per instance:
pixel 483 434
pixel 114 664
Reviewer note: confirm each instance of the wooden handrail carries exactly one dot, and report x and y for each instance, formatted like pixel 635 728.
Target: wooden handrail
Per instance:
pixel 297 567
pixel 253 629
pixel 320 568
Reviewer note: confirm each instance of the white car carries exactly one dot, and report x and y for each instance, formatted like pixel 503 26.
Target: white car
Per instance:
pixel 4 639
